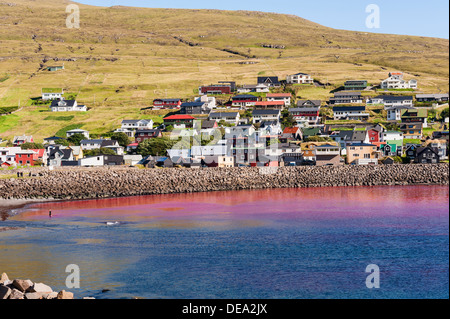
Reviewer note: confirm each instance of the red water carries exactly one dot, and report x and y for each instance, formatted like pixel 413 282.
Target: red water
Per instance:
pixel 260 204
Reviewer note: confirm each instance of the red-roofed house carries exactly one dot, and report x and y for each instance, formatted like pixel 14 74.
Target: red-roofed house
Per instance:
pixel 285 97
pixel 291 134
pixel 179 120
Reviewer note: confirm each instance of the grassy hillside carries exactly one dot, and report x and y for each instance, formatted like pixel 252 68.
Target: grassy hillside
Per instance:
pixel 122 58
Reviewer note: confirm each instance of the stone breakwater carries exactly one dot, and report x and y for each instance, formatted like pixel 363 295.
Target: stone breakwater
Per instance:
pixel 70 184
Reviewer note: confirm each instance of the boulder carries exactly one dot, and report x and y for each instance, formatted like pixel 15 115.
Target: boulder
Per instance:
pixel 65 295
pixel 52 295
pixel 22 285
pixel 4 292
pixel 3 278
pixel 33 295
pixel 16 294
pixel 41 288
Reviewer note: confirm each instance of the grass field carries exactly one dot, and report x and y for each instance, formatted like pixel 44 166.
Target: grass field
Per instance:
pixel 122 58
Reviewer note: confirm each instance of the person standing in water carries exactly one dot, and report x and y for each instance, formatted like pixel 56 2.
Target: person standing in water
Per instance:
pixel 50 213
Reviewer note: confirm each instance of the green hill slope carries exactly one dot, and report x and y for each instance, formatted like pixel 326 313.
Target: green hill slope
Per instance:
pixel 122 58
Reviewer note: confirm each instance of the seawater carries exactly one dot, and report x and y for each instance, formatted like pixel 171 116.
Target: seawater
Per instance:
pixel 276 243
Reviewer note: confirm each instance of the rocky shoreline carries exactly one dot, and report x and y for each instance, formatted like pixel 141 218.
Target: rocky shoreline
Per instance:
pixel 73 184
pixel 26 289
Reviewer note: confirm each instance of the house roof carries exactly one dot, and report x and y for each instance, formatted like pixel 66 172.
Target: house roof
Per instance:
pixel 304 109
pixel 394 97
pixel 279 95
pixel 421 113
pixel 291 130
pixel 193 104
pixel 266 112
pixel 179 117
pixel 245 96
pixel 56 103
pixel 311 131
pixel 347 94
pixel 269 103
pixel 349 108
pixel 207 124
pixel 268 123
pixel 316 103
pixel 135 121
pixel 224 114
pixel 355 82
pixel 436 96
pixel 353 135
pixel 151 131
pixel 167 100
pixel 76 130
pixel 76 150
pixel 66 153
pixel 268 79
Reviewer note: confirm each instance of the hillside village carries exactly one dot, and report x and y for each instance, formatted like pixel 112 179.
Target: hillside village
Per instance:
pixel 255 124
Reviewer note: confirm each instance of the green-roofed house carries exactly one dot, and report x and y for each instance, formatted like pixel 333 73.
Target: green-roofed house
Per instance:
pixel 311 131
pixel 415 116
pixel 52 93
pixel 353 85
pixel 393 143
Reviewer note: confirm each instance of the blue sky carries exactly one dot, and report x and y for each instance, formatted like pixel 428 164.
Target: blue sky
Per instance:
pixel 409 17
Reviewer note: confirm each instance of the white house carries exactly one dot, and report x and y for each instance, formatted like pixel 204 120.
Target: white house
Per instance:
pixel 88 145
pixel 256 88
pixel 432 97
pixel 299 78
pixel 350 113
pixel 210 101
pixel 395 113
pixel 92 161
pixel 67 106
pixel 391 101
pixel 184 152
pixel 77 131
pixel 266 115
pixel 280 97
pixel 8 154
pixel 219 149
pixel 306 116
pixel 270 128
pixel 391 136
pixel 395 81
pixel 52 94
pixel 229 117
pixel 130 127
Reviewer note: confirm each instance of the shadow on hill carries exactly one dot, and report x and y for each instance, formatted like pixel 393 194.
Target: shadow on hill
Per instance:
pixel 341 88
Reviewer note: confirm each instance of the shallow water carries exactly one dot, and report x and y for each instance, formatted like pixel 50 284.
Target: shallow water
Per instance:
pixel 276 243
